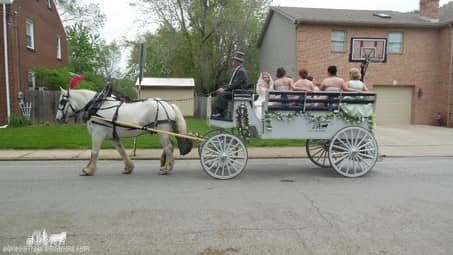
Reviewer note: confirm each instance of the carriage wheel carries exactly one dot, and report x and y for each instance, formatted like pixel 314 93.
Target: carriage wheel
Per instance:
pixel 207 136
pixel 353 152
pixel 223 156
pixel 318 152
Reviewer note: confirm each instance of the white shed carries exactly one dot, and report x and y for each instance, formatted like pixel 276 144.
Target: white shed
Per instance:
pixel 179 91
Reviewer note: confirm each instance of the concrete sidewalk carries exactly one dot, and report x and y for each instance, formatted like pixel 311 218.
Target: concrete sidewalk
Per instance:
pixel 407 141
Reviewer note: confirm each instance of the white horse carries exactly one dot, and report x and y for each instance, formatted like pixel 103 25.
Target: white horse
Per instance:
pixel 150 113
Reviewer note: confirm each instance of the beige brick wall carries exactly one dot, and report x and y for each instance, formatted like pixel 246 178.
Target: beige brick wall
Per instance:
pixel 417 66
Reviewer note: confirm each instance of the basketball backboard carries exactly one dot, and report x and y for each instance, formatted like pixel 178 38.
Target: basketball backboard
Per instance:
pixel 375 49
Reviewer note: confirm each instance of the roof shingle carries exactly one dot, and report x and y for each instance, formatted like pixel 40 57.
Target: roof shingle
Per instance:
pixel 362 17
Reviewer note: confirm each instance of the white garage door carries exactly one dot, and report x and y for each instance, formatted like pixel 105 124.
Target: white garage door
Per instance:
pixel 394 105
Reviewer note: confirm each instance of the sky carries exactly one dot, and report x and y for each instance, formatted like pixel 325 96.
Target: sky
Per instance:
pixel 121 22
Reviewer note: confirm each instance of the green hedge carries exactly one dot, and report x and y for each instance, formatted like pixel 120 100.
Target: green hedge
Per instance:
pixel 16 121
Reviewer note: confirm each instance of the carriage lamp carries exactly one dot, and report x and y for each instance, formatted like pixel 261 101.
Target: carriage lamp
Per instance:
pixel 420 92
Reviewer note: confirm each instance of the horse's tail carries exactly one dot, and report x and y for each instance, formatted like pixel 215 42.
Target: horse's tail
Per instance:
pixel 185 145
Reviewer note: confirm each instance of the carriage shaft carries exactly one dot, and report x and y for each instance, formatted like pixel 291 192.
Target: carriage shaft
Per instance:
pixel 135 126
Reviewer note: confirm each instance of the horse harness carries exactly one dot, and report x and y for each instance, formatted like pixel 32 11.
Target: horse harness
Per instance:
pixel 95 105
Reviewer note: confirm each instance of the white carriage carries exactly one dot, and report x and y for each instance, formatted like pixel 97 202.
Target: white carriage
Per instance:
pixel 333 138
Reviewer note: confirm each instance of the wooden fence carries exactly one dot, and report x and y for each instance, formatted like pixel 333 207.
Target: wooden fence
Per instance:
pixel 45 103
pixel 200 107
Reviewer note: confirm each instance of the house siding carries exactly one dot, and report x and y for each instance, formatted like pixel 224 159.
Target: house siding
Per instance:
pixel 278 46
pixel 47 26
pixel 417 66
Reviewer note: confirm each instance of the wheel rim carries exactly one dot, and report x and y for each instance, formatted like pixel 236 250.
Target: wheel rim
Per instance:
pixel 223 156
pixel 353 152
pixel 318 152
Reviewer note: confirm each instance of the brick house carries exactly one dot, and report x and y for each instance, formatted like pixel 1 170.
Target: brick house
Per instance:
pixel 414 83
pixel 35 37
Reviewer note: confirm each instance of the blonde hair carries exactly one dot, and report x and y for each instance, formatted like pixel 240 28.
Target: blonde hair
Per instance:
pixel 354 73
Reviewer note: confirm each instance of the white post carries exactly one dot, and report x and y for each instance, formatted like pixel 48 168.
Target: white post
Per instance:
pixel 5 42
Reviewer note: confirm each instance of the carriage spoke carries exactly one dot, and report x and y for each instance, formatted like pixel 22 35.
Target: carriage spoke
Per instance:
pixel 321 155
pixel 361 140
pixel 346 145
pixel 317 152
pixel 223 168
pixel 316 147
pixel 366 155
pixel 236 151
pixel 341 158
pixel 366 144
pixel 237 157
pixel 324 159
pixel 359 163
pixel 364 161
pixel 340 165
pixel 353 166
pixel 212 151
pixel 340 153
pixel 224 143
pixel 340 147
pixel 234 165
pixel 229 145
pixel 216 147
pixel 357 137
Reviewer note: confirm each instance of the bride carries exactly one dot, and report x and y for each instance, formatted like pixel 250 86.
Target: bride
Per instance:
pixel 264 83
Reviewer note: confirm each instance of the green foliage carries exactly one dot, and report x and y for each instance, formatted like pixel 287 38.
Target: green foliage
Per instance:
pixel 16 121
pixel 83 48
pixel 108 59
pixel 198 39
pixel 126 87
pixel 52 79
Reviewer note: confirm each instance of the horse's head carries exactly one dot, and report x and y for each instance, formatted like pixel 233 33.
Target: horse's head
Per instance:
pixel 65 108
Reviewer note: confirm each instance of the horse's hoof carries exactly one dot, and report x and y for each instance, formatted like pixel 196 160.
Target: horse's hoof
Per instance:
pixel 83 173
pixel 164 172
pixel 126 172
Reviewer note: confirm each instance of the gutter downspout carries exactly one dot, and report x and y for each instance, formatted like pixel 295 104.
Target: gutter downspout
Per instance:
pixel 5 42
pixel 450 78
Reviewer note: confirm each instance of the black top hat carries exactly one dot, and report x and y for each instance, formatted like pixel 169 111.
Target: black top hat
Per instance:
pixel 239 56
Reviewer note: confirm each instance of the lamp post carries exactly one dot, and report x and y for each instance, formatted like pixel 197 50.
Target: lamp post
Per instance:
pixel 5 43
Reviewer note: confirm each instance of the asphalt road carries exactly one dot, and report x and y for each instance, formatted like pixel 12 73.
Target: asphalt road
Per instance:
pixel 404 206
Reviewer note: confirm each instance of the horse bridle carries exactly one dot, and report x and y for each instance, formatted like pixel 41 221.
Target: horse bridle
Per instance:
pixel 64 102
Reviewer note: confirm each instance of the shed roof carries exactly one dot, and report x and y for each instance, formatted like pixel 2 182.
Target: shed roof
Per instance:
pixel 167 82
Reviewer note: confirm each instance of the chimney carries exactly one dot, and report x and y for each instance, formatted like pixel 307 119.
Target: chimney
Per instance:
pixel 429 9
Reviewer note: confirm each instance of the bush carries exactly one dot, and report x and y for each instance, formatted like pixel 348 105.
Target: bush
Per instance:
pixel 18 121
pixel 52 79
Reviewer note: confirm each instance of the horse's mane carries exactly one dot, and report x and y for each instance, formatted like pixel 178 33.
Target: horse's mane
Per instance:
pixel 120 96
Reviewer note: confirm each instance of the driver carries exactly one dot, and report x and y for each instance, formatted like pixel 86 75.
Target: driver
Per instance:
pixel 239 80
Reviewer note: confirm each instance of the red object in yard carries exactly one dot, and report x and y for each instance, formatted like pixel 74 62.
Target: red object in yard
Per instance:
pixel 75 80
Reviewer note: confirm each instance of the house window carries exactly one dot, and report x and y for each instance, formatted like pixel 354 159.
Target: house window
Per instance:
pixel 49 4
pixel 58 48
pixel 338 40
pixel 30 34
pixel 395 43
pixel 31 80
